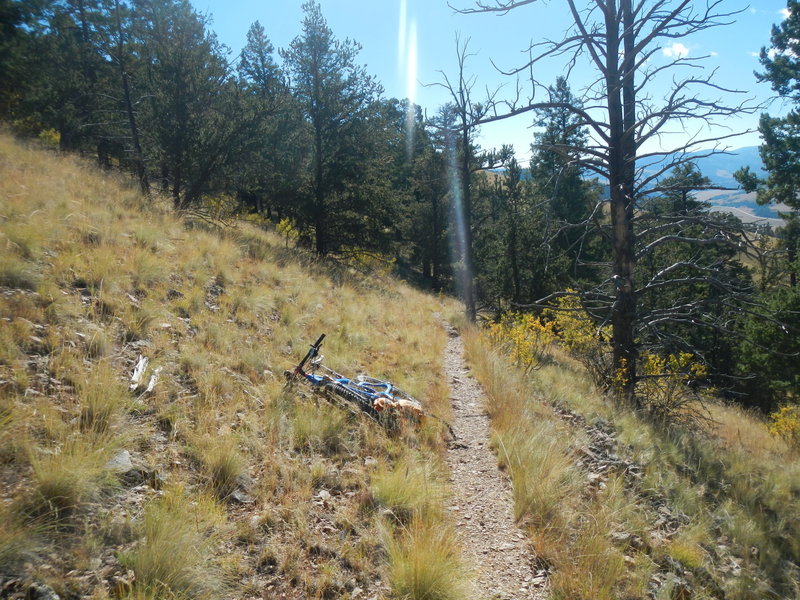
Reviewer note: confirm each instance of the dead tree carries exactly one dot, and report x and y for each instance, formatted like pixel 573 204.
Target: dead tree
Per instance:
pixel 459 127
pixel 622 40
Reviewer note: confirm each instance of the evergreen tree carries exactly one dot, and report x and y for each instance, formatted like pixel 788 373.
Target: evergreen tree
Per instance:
pixel 193 117
pixel 559 178
pixel 780 151
pixel 13 41
pixel 556 168
pixel 266 180
pixel 339 103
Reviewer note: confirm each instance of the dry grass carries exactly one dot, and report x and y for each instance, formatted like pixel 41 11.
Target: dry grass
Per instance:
pixel 102 397
pixel 222 462
pixel 425 563
pixel 90 281
pixel 173 558
pixel 734 486
pixel 410 487
pixel 569 527
pixel 67 475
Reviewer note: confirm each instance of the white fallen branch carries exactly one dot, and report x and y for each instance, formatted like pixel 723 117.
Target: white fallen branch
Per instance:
pixel 137 377
pixel 153 380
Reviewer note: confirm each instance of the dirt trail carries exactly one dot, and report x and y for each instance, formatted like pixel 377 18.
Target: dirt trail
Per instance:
pixel 482 505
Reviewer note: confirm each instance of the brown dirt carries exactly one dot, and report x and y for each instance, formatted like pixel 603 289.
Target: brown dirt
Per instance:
pixel 502 558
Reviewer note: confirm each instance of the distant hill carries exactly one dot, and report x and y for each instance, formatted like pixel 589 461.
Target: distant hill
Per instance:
pixel 719 168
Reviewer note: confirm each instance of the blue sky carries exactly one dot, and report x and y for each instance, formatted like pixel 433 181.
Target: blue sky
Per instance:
pixel 408 43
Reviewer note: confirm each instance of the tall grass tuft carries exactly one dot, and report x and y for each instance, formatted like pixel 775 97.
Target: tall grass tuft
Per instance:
pixel 66 476
pixel 546 482
pixel 16 272
pixel 101 395
pixel 320 427
pixel 424 562
pixel 411 487
pixel 18 540
pixel 173 555
pixel 222 462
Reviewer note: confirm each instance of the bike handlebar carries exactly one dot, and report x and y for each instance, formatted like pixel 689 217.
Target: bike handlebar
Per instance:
pixel 312 352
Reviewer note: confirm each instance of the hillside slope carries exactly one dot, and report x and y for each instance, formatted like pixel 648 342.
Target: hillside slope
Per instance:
pixel 221 483
pixel 217 483
pixel 619 506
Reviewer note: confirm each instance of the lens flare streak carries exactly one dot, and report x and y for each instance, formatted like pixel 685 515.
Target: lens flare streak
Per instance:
pixel 411 87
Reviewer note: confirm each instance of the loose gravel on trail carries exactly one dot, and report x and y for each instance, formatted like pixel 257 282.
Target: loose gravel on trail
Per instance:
pixel 482 506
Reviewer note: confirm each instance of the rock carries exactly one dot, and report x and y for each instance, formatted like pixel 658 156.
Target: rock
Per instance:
pixel 630 562
pixel 40 591
pixel 324 495
pixel 120 462
pixel 370 462
pixel 241 497
pixel 594 477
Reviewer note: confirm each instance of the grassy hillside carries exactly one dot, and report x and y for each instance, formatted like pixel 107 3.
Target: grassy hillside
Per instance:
pixel 217 483
pixel 620 507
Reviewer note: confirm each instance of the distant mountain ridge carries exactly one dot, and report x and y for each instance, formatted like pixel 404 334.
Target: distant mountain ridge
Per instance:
pixel 719 168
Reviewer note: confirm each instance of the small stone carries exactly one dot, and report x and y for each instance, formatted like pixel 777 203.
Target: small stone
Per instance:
pixel 120 462
pixel 40 591
pixel 241 497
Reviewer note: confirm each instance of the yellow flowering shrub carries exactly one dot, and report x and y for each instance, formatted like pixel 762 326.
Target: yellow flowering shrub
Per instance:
pixel 287 229
pixel 50 137
pixel 665 384
pixel 785 423
pixel 524 337
pixel 581 336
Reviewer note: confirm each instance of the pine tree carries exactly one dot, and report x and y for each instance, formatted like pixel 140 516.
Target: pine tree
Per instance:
pixel 339 102
pixel 559 178
pixel 780 151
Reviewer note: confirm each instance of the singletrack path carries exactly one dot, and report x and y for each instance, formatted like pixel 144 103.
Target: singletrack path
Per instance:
pixel 482 506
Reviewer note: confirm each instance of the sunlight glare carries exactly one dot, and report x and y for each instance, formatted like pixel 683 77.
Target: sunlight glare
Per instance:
pixel 411 87
pixel 458 245
pixel 401 34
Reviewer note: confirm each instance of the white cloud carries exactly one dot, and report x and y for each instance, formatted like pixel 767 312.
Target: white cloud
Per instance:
pixel 784 13
pixel 771 53
pixel 713 53
pixel 677 50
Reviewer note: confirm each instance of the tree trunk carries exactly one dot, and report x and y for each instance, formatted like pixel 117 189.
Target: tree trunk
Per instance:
pixel 512 252
pixel 176 189
pixel 622 157
pixel 435 245
pixel 138 155
pixel 319 199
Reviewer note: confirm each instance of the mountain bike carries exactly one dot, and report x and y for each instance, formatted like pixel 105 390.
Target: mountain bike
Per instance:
pixel 379 400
